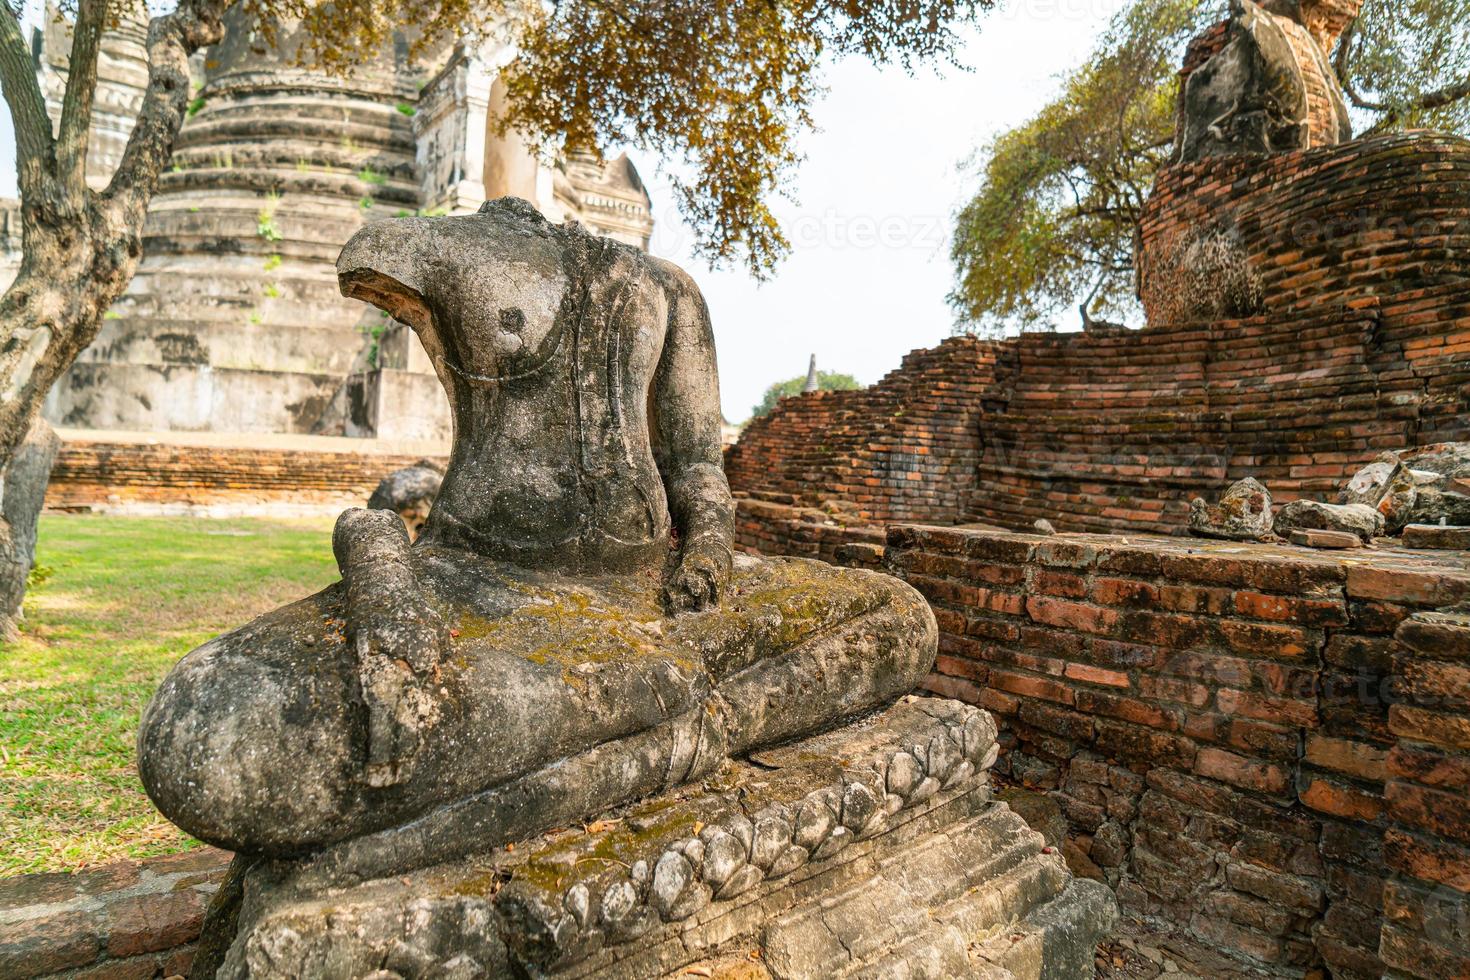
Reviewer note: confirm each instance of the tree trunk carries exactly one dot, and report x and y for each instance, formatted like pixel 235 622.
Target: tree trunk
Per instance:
pixel 80 246
pixel 22 491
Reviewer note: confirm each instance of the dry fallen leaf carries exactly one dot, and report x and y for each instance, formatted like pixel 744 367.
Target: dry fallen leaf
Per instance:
pixel 699 971
pixel 698 826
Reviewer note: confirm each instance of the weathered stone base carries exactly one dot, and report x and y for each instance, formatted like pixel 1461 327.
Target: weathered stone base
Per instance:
pixel 873 851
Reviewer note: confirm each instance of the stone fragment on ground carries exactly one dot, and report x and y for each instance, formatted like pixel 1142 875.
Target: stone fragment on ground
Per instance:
pixel 1437 537
pixel 1044 526
pixel 1243 514
pixel 1314 538
pixel 1429 485
pixel 1313 515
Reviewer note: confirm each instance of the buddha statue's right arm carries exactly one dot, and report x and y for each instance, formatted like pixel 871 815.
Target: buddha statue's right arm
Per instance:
pixel 686 438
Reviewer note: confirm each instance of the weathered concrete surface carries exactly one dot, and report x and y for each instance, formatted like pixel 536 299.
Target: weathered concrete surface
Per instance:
pixel 872 851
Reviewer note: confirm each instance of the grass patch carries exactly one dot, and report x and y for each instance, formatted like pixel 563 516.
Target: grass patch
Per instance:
pixel 115 602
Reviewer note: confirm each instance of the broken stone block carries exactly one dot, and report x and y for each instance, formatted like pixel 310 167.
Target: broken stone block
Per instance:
pixel 1369 485
pixel 1044 526
pixel 1425 486
pixel 1312 538
pixel 1433 536
pixel 1243 514
pixel 1313 515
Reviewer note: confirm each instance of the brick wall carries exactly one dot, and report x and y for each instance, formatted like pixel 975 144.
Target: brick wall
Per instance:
pixel 1426 846
pixel 1214 720
pixel 1363 251
pixel 1372 217
pixel 89 474
pixel 903 449
pixel 132 920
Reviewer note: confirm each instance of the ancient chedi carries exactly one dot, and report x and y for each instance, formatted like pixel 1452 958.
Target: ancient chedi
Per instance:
pixel 569 633
pixel 234 322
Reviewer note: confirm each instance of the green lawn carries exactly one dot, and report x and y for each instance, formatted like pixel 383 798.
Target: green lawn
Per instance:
pixel 115 601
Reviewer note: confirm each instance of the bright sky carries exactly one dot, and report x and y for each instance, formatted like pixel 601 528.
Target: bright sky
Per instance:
pixel 874 200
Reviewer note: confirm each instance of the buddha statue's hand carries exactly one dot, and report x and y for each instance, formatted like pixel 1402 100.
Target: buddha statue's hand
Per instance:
pixel 396 635
pixel 699 577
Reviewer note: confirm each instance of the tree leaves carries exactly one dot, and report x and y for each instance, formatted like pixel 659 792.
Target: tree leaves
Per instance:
pixel 726 86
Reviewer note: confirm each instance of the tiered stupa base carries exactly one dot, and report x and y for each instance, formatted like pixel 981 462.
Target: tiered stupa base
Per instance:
pixel 872 851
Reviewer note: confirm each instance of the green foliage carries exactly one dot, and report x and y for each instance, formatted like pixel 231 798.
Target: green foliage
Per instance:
pixel 194 106
pixel 726 85
pixel 265 219
pixel 370 176
pixel 406 109
pixel 272 262
pixel 826 381
pixel 112 604
pixel 1051 224
pixel 1403 53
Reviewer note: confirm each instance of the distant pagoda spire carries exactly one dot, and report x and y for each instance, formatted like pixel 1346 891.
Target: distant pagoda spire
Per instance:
pixel 812 383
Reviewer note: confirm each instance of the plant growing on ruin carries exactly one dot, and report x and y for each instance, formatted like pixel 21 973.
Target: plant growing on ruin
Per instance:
pixel 1050 228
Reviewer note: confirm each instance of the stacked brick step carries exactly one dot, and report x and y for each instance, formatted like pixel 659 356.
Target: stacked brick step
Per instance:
pixel 100 474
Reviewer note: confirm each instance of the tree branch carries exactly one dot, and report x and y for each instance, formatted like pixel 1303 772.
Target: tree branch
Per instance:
pixel 1436 99
pixel 76 104
pixel 34 149
pixel 172 38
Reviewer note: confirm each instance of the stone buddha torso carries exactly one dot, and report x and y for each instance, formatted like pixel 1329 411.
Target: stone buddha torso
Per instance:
pixel 547 344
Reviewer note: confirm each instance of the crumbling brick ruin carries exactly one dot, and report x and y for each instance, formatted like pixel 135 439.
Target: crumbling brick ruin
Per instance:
pixel 1264 747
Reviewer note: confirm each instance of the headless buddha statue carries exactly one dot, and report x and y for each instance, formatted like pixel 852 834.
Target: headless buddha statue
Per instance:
pixel 571 629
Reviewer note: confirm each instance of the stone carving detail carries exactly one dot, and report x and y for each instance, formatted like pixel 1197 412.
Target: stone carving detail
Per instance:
pixel 735 853
pixel 569 631
pixel 1270 86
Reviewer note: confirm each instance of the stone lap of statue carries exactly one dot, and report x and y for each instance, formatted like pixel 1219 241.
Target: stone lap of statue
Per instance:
pixel 570 630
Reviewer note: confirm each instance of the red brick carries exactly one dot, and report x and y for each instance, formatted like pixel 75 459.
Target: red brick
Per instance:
pixel 1124 592
pixel 1342 800
pixel 1128 709
pixel 1096 675
pixel 1071 615
pixel 1239 771
pixel 1029 686
pixel 1358 759
pixel 1266 708
pixel 1407 586
pixel 33 947
pixel 1427 858
pixel 1445 814
pixel 1278 642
